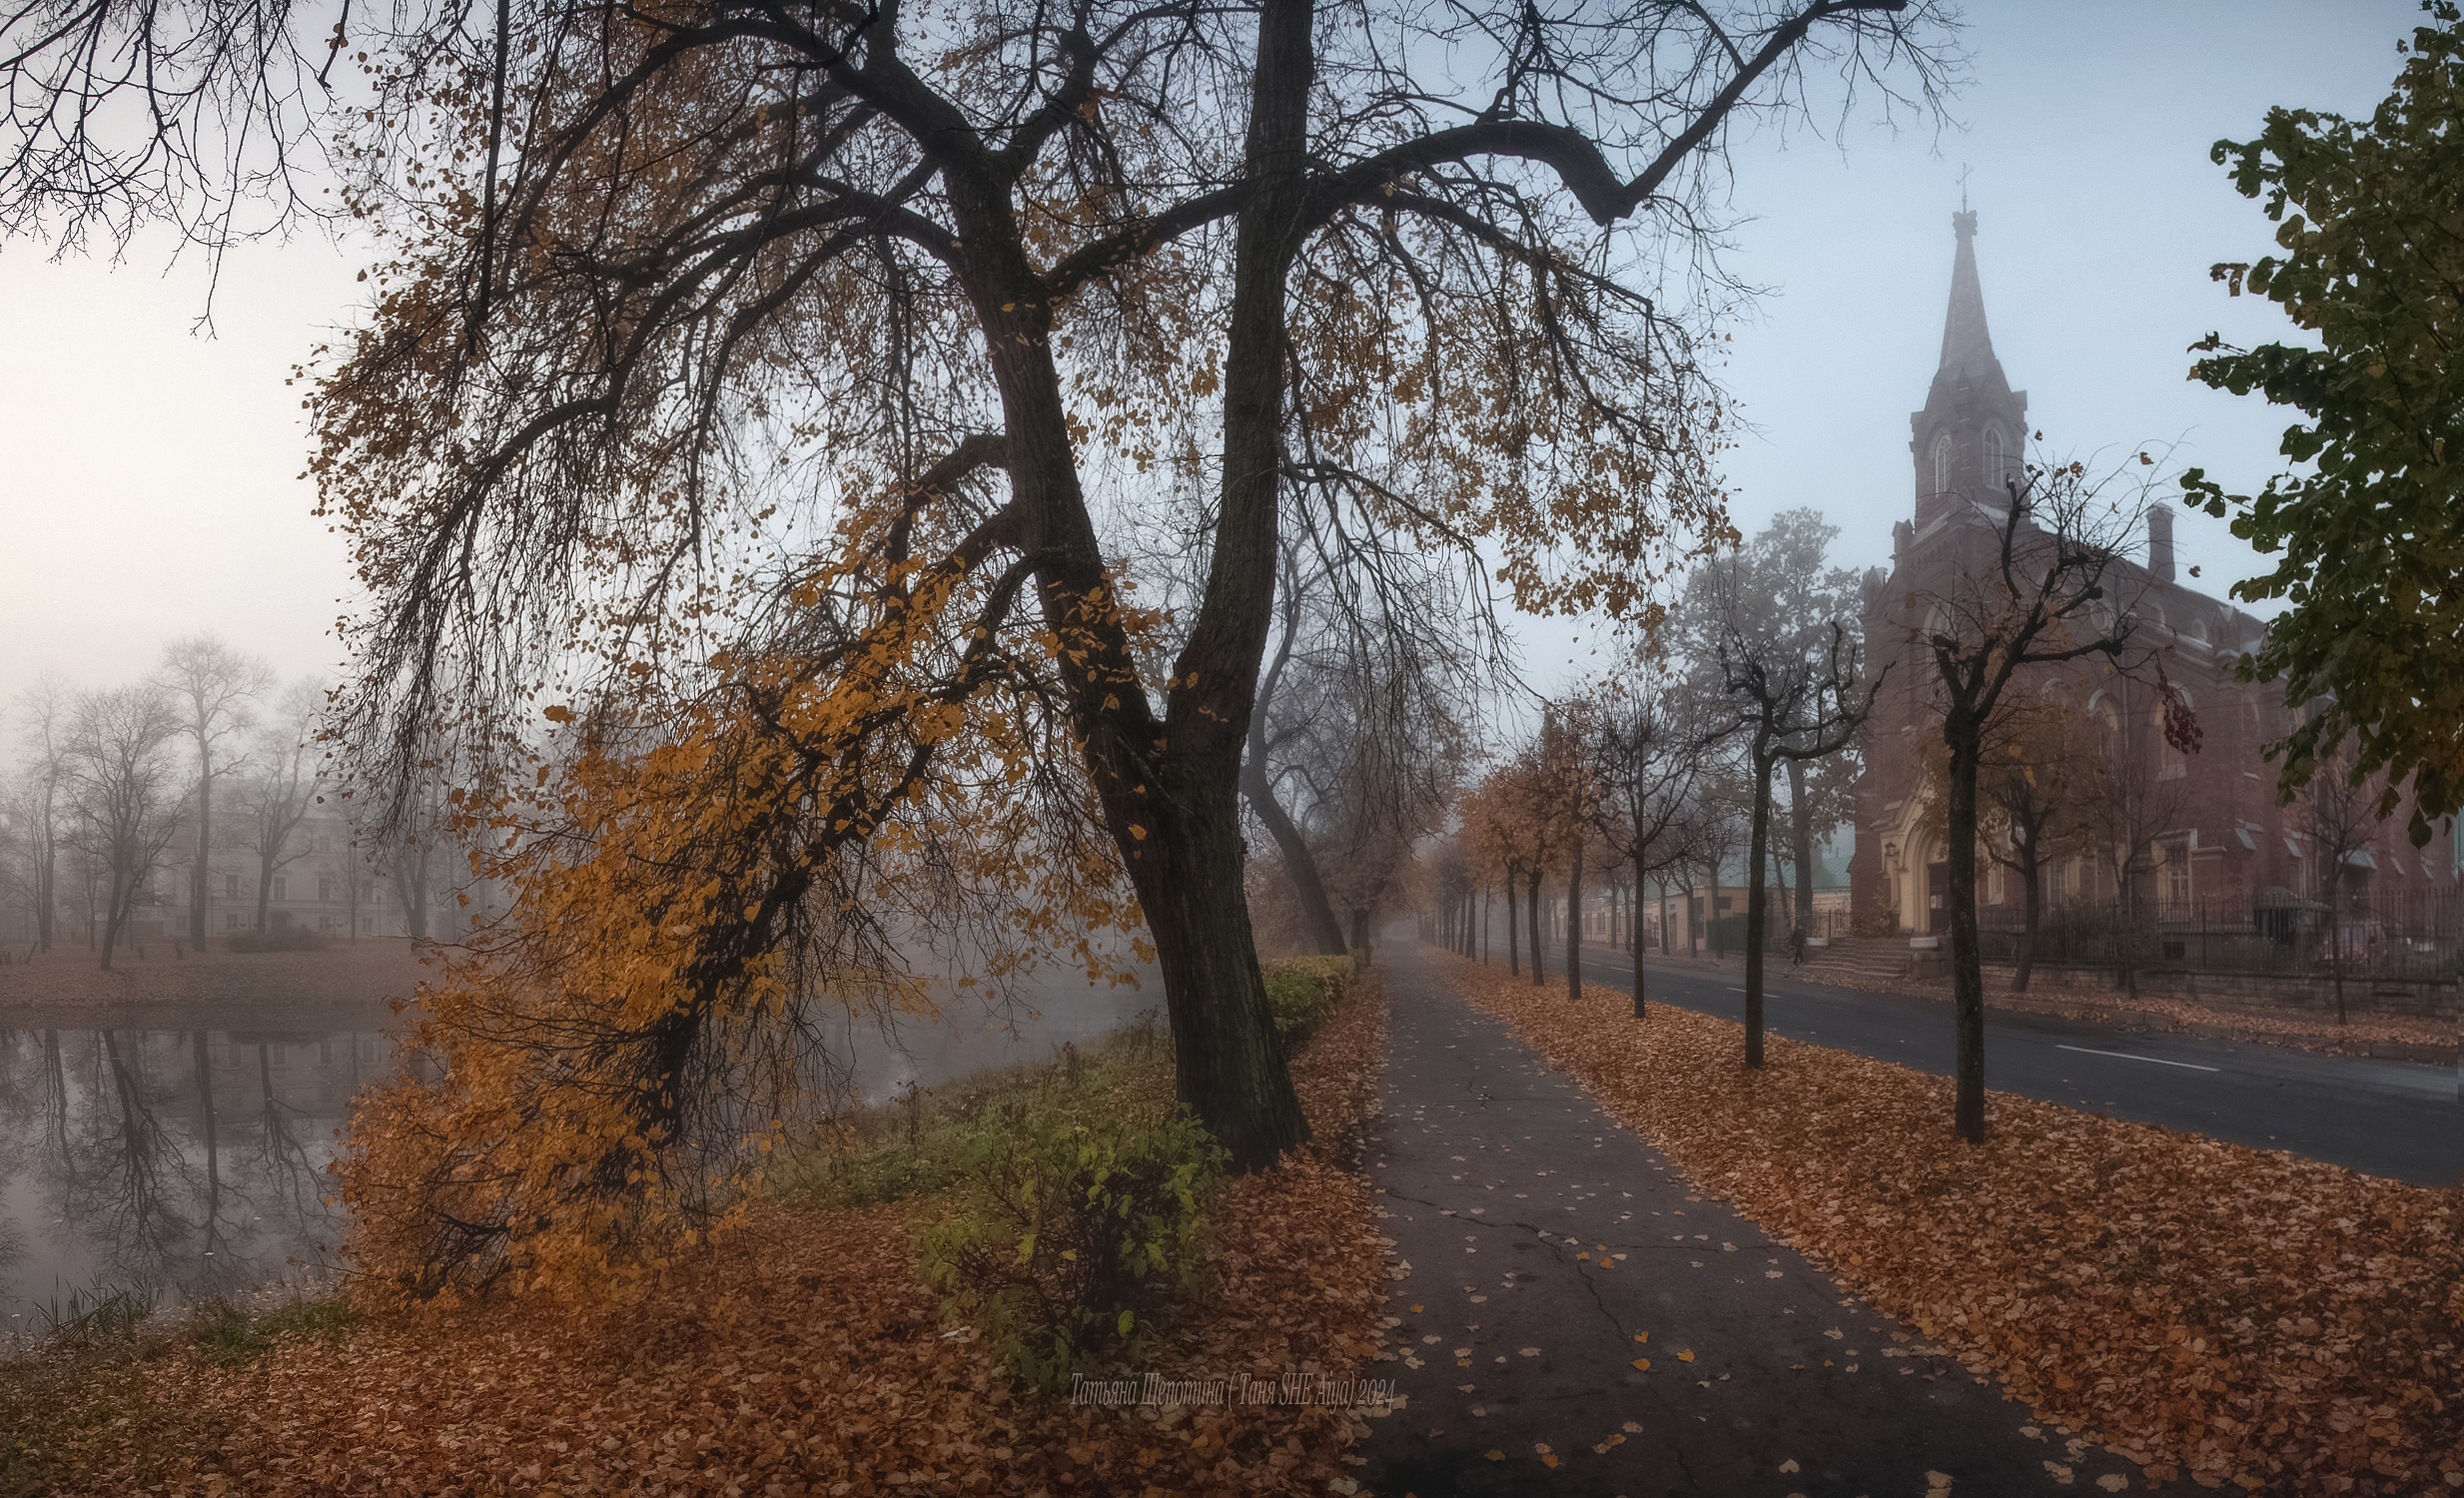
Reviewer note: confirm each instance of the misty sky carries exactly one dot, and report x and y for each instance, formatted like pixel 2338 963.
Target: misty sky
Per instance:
pixel 151 482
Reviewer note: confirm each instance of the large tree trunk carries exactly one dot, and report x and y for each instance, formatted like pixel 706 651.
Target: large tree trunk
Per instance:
pixel 1963 735
pixel 1227 1065
pixel 1574 925
pixel 1514 929
pixel 1757 904
pixel 264 887
pixel 1170 790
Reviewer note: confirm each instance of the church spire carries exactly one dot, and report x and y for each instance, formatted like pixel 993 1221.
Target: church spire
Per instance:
pixel 1966 347
pixel 1969 439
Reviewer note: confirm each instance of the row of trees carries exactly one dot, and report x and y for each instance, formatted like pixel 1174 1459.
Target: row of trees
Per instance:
pixel 115 789
pixel 1754 701
pixel 1741 715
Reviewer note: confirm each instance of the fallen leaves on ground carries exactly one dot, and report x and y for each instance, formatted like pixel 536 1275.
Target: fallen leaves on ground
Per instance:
pixel 2210 1309
pixel 802 1356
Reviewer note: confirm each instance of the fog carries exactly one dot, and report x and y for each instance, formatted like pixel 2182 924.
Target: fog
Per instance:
pixel 153 483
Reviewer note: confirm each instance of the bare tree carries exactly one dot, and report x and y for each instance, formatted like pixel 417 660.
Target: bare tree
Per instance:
pixel 988 241
pixel 45 712
pixel 127 808
pixel 1651 758
pixel 1360 721
pixel 2033 804
pixel 119 113
pixel 2339 814
pixel 1767 634
pixel 278 797
pixel 2138 791
pixel 1791 706
pixel 2033 574
pixel 214 688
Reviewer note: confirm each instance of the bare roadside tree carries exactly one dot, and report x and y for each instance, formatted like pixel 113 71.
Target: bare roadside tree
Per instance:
pixel 2033 804
pixel 2339 816
pixel 1768 635
pixel 2138 793
pixel 127 804
pixel 1650 759
pixel 2030 588
pixel 214 688
pixel 1791 706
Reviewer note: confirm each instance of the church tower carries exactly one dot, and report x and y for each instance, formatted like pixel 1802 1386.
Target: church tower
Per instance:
pixel 1969 441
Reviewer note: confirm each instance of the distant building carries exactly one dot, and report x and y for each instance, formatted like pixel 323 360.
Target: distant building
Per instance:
pixel 2234 846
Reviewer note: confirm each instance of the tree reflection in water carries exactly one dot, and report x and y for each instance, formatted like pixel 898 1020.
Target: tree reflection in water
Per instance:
pixel 128 1157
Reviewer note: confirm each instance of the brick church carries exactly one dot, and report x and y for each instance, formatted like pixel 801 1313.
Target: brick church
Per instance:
pixel 2228 848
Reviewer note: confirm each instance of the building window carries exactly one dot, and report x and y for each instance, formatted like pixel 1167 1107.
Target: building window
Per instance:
pixel 1992 884
pixel 2058 881
pixel 1996 459
pixel 1942 463
pixel 231 886
pixel 2176 870
pixel 231 920
pixel 281 886
pixel 326 888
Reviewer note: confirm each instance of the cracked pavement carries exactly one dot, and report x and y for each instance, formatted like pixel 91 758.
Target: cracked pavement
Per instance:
pixel 1572 1315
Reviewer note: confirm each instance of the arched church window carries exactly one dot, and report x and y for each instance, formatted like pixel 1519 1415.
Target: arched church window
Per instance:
pixel 1942 463
pixel 1996 459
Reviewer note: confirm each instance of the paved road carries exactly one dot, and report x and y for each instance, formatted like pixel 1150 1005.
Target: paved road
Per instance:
pixel 1578 1321
pixel 2391 1118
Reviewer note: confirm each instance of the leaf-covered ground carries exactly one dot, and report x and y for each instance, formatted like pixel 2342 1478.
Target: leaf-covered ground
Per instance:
pixel 801 1356
pixel 2213 1311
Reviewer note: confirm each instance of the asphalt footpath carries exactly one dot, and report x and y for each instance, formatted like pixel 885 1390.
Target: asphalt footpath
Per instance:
pixel 1576 1318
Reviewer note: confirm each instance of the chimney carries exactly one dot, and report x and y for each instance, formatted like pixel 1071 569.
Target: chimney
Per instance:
pixel 2160 542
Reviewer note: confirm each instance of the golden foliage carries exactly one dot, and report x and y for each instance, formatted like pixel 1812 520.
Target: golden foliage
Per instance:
pixel 800 1350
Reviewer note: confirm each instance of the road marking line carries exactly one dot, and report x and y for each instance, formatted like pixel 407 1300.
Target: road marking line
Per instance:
pixel 2126 1056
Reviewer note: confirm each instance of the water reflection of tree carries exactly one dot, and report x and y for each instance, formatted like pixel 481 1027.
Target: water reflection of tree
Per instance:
pixel 151 1168
pixel 295 1181
pixel 138 1174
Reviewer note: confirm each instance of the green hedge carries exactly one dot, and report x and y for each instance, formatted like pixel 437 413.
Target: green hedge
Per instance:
pixel 1302 992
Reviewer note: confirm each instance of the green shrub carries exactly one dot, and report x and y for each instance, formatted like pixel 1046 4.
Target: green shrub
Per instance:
pixel 1302 991
pixel 913 1143
pixel 1067 1233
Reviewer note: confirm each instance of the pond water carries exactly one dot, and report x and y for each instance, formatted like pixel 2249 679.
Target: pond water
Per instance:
pixel 190 1162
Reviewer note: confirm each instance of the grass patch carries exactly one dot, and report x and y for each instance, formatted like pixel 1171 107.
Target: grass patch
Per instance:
pixel 228 1337
pixel 920 1143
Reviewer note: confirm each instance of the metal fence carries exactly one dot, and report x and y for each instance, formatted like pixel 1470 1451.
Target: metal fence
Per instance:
pixel 2406 935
